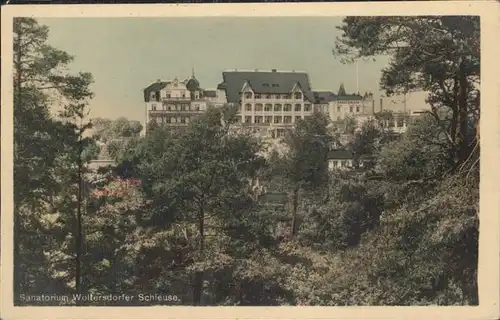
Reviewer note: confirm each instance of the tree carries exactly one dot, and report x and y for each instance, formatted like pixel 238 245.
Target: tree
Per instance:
pixel 306 164
pixel 108 130
pixel 43 144
pixel 202 181
pixel 364 145
pixel 438 54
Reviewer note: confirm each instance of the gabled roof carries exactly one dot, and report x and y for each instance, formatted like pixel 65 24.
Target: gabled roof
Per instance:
pixel 276 82
pixel 340 154
pixel 157 86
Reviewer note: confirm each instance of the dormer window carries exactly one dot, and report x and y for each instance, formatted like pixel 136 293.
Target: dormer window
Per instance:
pixel 266 85
pixel 248 95
pixel 298 95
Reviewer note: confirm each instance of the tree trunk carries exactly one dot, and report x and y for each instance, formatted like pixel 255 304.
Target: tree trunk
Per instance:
pixel 295 202
pixel 198 278
pixel 79 235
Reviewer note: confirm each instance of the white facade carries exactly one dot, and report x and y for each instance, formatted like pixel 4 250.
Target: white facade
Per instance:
pixel 272 114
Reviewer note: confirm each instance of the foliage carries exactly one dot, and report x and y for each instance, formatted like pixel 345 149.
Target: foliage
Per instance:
pixel 180 213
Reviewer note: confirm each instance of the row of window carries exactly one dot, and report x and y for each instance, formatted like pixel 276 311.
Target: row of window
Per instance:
pixel 250 95
pixel 277 107
pixel 154 96
pixel 173 107
pixel 341 163
pixel 351 109
pixel 270 119
pixel 173 119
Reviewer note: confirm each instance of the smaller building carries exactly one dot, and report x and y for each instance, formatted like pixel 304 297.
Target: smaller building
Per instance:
pixel 340 160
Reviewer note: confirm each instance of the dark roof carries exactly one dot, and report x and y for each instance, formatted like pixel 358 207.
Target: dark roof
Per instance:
pixel 324 96
pixel 210 93
pixel 192 84
pixel 342 95
pixel 157 86
pixel 350 97
pixel 340 154
pixel 265 82
pixel 341 90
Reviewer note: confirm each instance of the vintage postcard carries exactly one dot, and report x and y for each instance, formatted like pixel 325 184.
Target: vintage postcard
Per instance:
pixel 267 161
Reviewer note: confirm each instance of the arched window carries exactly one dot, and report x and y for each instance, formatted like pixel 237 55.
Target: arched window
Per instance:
pixel 248 95
pixel 248 107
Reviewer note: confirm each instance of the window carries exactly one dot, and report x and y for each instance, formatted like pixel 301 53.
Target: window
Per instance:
pixel 265 85
pixel 248 95
pixel 287 108
pixel 197 107
pixel 275 85
pixel 238 119
pixel 287 119
pixel 153 96
pixel 268 107
pixel 338 118
pixel 268 119
pixel 268 96
pixel 298 107
pixel 173 120
pixel 257 96
pixel 197 96
pixel 400 122
pixel 153 107
pixel 169 96
pixel 357 108
pixel 183 108
pixel 350 109
pixel 183 95
pixel 187 119
pixel 338 109
pixel 183 120
pixel 248 107
pixel 307 107
pixel 298 95
pixel 286 96
pixel 277 107
pixel 258 107
pixel 277 119
pixel 297 119
pixel 258 119
pixel 248 119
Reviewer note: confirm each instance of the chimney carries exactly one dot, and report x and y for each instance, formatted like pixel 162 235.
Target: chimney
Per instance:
pixel 273 70
pixel 381 104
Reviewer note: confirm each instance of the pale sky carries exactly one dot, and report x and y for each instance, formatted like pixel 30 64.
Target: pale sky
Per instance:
pixel 125 55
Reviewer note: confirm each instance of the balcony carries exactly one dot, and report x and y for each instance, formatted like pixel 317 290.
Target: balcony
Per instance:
pixel 176 99
pixel 171 112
